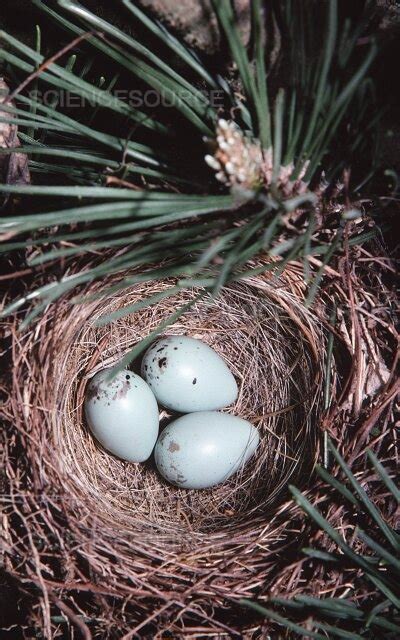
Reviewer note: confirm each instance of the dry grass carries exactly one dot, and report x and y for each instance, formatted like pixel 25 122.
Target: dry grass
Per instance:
pixel 110 540
pixel 280 386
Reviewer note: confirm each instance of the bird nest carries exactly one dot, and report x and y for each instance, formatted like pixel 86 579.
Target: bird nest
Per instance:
pixel 102 530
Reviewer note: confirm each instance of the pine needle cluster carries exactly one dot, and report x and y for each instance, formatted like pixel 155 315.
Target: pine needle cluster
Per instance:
pixel 197 205
pixel 376 614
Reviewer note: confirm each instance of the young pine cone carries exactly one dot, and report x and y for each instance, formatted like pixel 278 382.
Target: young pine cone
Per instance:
pixel 242 163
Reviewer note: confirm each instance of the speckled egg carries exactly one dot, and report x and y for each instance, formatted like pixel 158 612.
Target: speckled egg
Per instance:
pixel 122 414
pixel 203 449
pixel 187 375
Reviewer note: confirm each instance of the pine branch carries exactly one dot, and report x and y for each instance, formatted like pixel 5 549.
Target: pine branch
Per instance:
pixel 276 160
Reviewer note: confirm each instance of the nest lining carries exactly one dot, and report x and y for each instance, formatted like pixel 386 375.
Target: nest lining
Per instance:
pixel 279 391
pixel 73 551
pixel 122 520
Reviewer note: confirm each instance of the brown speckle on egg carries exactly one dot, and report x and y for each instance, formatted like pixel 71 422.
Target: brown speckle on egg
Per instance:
pixel 93 391
pixel 173 446
pixel 121 393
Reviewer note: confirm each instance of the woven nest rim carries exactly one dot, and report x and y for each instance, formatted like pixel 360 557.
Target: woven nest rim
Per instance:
pixel 83 490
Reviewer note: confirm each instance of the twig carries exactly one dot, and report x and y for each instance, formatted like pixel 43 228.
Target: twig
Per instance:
pixel 50 61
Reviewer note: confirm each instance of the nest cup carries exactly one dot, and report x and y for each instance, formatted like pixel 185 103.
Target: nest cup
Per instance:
pixel 134 532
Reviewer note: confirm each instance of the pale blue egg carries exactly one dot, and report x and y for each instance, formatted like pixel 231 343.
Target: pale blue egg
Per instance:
pixel 122 414
pixel 203 449
pixel 187 375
